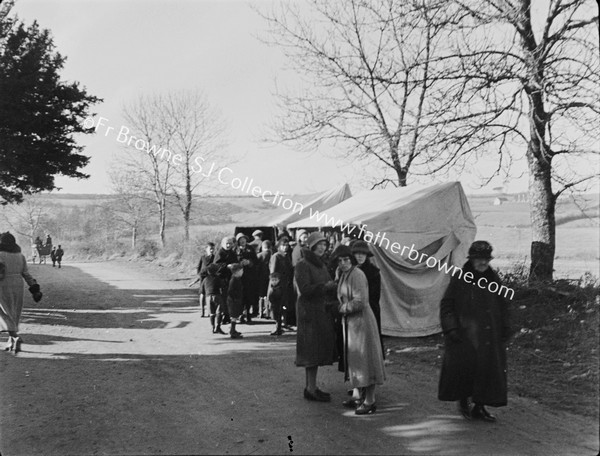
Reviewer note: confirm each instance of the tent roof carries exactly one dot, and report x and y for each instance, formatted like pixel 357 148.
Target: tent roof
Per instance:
pixel 387 209
pixel 320 202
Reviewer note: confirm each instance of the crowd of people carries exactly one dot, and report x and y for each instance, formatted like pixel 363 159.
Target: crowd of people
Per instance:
pixel 329 295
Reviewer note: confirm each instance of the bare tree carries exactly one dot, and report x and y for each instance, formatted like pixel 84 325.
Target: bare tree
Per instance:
pixel 147 123
pixel 132 204
pixel 178 136
pixel 373 86
pixel 28 218
pixel 198 131
pixel 532 80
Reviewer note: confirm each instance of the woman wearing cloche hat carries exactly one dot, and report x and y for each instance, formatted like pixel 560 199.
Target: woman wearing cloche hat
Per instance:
pixel 315 343
pixel 475 324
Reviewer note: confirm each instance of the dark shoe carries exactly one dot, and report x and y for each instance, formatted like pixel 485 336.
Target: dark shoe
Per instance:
pixel 315 397
pixel 219 331
pixel 323 394
pixel 480 413
pixel 236 335
pixel 465 408
pixel 364 409
pixel 277 332
pixel 352 403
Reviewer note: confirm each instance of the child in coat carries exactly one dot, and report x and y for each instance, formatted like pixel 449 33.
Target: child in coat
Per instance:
pixel 211 285
pixel 275 298
pixel 235 297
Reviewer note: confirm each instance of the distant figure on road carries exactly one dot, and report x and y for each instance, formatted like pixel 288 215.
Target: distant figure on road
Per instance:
pixel 59 254
pixel 53 256
pixel 13 270
pixel 48 240
pixel 475 325
pixel 315 342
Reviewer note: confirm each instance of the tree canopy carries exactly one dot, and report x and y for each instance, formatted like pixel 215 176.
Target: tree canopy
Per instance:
pixel 39 113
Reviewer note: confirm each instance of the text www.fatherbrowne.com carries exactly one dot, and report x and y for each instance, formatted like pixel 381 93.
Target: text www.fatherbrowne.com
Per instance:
pixel 226 176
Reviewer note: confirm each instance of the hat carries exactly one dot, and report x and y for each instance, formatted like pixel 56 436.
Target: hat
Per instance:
pixel 234 267
pixel 480 249
pixel 257 233
pixel 300 233
pixel 314 239
pixel 7 239
pixel 240 235
pixel 340 252
pixel 212 268
pixel 361 247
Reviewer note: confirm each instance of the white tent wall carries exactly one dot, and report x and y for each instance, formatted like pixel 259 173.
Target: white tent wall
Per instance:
pixel 434 220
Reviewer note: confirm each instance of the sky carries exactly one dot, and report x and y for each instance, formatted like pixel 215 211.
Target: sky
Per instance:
pixel 120 50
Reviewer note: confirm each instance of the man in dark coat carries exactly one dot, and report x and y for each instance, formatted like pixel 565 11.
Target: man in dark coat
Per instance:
pixel 223 258
pixel 475 325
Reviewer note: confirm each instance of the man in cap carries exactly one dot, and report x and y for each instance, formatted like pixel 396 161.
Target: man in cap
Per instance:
pixel 258 239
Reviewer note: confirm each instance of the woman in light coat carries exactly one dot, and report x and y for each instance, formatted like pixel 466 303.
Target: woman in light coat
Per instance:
pixel 362 347
pixel 13 270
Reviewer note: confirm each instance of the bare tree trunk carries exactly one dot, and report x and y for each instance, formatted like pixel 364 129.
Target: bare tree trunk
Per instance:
pixel 188 203
pixel 163 220
pixel 543 223
pixel 133 236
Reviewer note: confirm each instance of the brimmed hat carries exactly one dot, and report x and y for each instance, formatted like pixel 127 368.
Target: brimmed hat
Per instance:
pixel 234 267
pixel 361 247
pixel 257 233
pixel 314 239
pixel 480 249
pixel 240 235
pixel 341 251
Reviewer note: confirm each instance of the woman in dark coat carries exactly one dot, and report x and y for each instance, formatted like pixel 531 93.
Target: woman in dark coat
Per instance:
pixel 315 343
pixel 281 264
pixel 475 324
pixel 224 257
pixel 246 256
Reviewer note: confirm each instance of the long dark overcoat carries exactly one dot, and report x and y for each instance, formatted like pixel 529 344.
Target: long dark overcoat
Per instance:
pixel 476 366
pixel 315 343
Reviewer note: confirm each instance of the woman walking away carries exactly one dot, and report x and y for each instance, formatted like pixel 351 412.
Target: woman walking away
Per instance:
pixel 13 269
pixel 475 325
pixel 362 346
pixel 315 343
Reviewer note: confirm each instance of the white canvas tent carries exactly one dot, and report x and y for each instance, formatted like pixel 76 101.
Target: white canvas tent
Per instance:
pixel 435 220
pixel 317 202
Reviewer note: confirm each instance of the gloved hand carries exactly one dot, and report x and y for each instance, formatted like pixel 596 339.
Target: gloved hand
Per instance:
pixel 454 336
pixel 35 292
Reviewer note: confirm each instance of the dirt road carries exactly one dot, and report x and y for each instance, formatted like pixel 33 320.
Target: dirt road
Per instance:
pixel 118 361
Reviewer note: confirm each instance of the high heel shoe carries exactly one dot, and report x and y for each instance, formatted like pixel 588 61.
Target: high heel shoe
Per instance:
pixel 364 409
